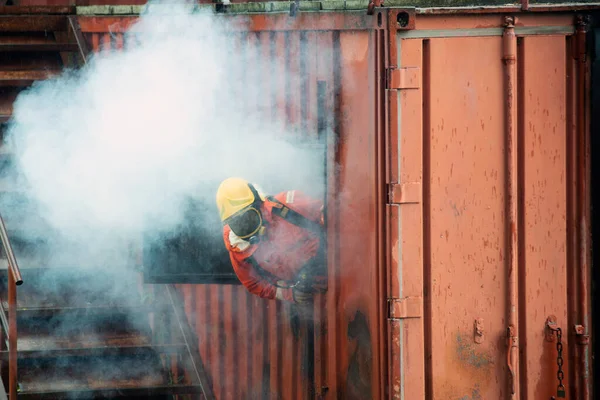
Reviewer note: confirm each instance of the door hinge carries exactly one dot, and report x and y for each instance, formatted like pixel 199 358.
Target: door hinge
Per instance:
pixel 404 193
pixel 407 307
pixel 403 78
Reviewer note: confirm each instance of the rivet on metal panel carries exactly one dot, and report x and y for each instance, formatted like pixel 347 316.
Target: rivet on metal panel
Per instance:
pixel 404 193
pixel 551 328
pixel 404 78
pixel 479 334
pixel 407 307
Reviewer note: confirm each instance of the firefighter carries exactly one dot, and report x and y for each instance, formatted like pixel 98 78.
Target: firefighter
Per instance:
pixel 275 243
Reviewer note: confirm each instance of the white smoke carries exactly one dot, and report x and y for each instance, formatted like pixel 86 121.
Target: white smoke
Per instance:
pixel 120 144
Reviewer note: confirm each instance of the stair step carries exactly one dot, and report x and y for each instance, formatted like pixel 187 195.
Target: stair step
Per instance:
pixel 92 351
pixel 16 83
pixel 37 42
pixel 41 9
pixel 38 47
pixel 29 341
pixel 78 312
pixel 33 23
pixel 76 324
pixel 156 392
pixel 142 369
pixel 24 76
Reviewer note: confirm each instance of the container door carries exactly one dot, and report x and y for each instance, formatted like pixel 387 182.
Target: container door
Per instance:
pixel 487 217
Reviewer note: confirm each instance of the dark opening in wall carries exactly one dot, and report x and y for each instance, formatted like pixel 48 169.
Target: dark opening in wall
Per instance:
pixel 191 253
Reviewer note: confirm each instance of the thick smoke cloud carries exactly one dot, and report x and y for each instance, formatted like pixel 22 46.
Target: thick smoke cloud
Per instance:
pixel 114 151
pixel 118 146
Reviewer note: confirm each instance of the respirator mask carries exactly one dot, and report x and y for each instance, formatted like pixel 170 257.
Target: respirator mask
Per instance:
pixel 248 224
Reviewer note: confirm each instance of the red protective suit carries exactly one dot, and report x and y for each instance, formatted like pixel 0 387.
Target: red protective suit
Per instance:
pixel 282 251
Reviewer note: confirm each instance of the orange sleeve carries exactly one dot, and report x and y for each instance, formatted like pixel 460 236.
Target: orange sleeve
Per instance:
pixel 256 284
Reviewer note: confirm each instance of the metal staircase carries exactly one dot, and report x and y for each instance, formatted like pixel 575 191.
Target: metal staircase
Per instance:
pixel 35 44
pixel 84 333
pixel 76 332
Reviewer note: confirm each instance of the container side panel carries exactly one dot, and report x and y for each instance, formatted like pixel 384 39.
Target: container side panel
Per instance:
pixel 254 348
pixel 467 217
pixel 355 298
pixel 543 66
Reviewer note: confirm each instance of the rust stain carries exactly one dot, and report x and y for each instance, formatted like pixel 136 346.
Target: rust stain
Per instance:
pixel 475 394
pixel 470 370
pixel 358 381
pixel 455 208
pixel 468 355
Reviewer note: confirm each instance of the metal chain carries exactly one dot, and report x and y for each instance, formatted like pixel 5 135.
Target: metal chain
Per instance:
pixel 559 360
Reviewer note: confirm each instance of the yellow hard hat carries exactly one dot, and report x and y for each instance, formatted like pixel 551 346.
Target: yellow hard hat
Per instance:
pixel 234 195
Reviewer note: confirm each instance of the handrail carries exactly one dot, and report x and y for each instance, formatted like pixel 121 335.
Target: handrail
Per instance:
pixel 14 280
pixel 10 256
pixel 79 39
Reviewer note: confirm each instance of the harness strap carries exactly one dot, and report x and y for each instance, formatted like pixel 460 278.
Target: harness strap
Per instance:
pixel 295 218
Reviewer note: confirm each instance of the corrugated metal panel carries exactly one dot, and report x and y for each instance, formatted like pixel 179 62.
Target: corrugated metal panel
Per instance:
pixel 449 134
pixel 248 345
pixel 254 348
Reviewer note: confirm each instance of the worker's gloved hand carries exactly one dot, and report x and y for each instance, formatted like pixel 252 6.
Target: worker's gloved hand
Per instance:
pixel 302 297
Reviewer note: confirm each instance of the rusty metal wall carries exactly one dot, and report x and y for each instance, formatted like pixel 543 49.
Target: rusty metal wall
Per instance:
pixel 254 348
pixel 250 347
pixel 480 136
pixel 497 157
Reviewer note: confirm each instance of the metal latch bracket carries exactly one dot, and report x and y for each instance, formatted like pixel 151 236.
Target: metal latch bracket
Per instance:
pixel 404 193
pixel 404 78
pixel 407 307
